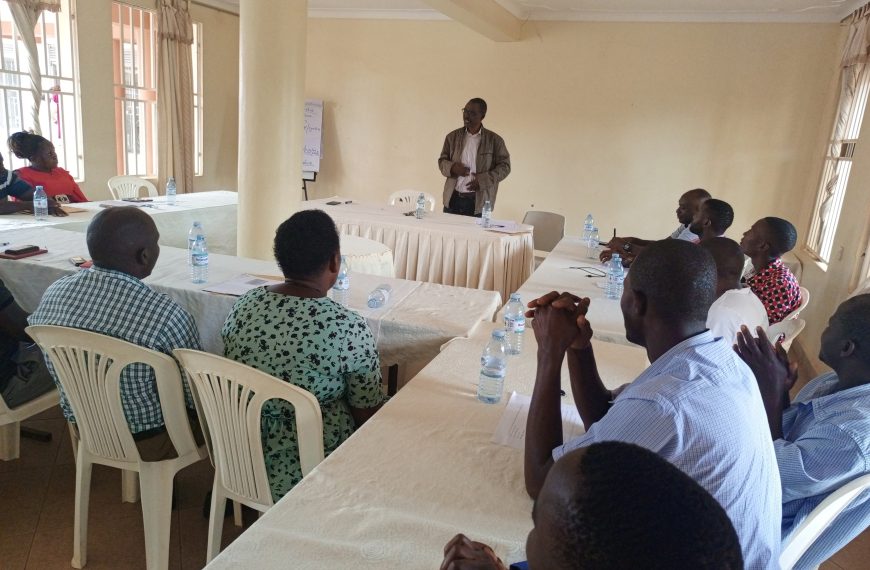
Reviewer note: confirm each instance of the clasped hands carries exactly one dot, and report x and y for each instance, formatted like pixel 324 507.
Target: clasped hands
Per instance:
pixel 559 322
pixel 769 363
pixel 458 169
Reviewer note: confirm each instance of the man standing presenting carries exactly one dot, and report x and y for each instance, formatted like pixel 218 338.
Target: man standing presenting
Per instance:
pixel 474 160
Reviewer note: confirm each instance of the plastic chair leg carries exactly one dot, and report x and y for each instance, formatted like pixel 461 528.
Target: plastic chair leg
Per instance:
pixel 82 500
pixel 10 441
pixel 215 523
pixel 129 486
pixel 237 513
pixel 155 482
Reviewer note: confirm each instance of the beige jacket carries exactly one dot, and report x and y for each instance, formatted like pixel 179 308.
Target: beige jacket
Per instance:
pixel 493 164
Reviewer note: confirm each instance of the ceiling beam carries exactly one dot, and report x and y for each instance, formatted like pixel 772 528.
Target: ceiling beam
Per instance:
pixel 486 17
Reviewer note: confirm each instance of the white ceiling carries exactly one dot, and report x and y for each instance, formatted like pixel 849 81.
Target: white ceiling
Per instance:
pixel 597 10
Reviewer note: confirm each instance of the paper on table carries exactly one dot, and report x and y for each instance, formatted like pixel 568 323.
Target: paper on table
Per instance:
pixel 511 430
pixel 238 286
pixel 507 227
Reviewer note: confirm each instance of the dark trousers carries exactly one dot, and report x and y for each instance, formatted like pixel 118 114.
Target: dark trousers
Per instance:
pixel 461 204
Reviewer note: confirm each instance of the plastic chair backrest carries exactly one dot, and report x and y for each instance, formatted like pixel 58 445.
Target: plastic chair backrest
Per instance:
pixel 88 366
pixel 805 300
pixel 123 187
pixel 549 229
pixel 820 519
pixel 409 197
pixel 791 328
pixel 230 396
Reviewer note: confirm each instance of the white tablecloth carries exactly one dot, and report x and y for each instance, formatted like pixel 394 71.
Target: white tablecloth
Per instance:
pixel 217 211
pixel 421 470
pixel 555 274
pixel 408 330
pixel 441 248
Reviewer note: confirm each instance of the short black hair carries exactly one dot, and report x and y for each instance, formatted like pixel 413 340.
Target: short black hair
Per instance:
pixel 697 194
pixel 854 315
pixel 25 144
pixel 633 509
pixel 677 277
pixel 728 256
pixel 720 213
pixel 305 242
pixel 780 234
pixel 480 102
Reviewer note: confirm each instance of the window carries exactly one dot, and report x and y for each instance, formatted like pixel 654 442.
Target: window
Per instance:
pixel 196 59
pixel 59 109
pixel 135 47
pixel 838 164
pixel 134 41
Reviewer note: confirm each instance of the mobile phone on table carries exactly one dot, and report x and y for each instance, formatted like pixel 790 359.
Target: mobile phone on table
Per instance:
pixel 78 261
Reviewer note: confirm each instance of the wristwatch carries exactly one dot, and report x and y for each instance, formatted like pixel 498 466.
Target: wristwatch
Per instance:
pixel 626 247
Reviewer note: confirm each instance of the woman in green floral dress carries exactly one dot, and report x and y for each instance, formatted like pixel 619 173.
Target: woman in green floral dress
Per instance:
pixel 294 332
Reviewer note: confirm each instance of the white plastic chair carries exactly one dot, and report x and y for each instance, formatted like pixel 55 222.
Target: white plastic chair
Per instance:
pixel 791 328
pixel 805 300
pixel 549 231
pixel 229 397
pixel 820 519
pixel 88 366
pixel 11 418
pixel 409 197
pixel 123 187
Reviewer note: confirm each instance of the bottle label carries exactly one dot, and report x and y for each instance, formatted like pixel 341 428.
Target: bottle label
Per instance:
pixel 515 325
pixel 342 284
pixel 199 259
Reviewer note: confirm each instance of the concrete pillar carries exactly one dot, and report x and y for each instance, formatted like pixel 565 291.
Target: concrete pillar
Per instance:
pixel 272 38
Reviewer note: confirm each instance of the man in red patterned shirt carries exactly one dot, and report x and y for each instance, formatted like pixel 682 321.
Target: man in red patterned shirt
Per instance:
pixel 770 279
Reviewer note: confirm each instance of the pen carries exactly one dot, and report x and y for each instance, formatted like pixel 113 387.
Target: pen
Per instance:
pixel 614 233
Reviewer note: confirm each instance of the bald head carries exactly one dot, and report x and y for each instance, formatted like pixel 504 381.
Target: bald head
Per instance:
pixel 124 239
pixel 617 505
pixel 729 262
pixel 689 204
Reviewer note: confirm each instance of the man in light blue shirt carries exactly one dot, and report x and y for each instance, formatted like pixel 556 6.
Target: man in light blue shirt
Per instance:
pixel 697 405
pixel 822 439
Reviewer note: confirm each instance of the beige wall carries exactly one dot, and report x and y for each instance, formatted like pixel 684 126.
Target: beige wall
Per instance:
pixel 220 94
pixel 613 118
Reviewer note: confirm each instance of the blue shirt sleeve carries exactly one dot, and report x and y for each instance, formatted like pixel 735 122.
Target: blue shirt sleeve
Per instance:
pixel 17 188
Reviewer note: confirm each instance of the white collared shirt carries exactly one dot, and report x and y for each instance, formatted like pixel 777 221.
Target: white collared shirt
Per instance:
pixel 734 308
pixel 469 159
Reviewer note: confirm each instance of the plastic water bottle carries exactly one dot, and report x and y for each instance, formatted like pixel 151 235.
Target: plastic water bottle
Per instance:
pixel 170 191
pixel 40 204
pixel 380 296
pixel 421 206
pixel 514 324
pixel 341 289
pixel 588 224
pixel 493 363
pixel 195 232
pixel 592 244
pixel 615 277
pixel 199 261
pixel 486 214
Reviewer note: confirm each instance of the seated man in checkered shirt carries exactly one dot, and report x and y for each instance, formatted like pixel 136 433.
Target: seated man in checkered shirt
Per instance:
pixel 111 299
pixel 822 438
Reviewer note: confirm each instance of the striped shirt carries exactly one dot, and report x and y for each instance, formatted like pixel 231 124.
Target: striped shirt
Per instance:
pixel 684 233
pixel 698 406
pixel 826 444
pixel 119 305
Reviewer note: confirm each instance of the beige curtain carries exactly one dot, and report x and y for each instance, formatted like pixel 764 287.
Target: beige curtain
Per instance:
pixel 175 95
pixel 26 14
pixel 856 53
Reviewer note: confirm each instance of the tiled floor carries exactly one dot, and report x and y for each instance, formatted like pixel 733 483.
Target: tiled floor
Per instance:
pixel 36 513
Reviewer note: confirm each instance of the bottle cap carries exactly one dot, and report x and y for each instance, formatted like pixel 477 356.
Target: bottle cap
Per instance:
pixel 498 333
pixel 515 296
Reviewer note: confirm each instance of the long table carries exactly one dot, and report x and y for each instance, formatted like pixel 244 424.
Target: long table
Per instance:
pixel 410 329
pixel 419 471
pixel 217 212
pixel 440 248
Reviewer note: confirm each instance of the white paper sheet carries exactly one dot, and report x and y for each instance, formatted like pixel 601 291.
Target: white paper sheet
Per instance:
pixel 511 430
pixel 238 286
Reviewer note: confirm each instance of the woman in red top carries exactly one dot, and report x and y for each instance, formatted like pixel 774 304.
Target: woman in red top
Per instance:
pixel 43 170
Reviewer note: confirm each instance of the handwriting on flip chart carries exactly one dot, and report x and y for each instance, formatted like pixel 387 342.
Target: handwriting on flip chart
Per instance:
pixel 313 126
pixel 511 430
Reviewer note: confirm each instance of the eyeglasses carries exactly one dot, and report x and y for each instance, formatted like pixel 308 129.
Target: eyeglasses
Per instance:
pixel 591 271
